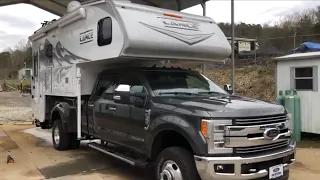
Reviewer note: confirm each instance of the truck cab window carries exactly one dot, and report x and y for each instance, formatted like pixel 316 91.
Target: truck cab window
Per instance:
pixel 106 86
pixel 105 31
pixel 135 87
pixel 165 82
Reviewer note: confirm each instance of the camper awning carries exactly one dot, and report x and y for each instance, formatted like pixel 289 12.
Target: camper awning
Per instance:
pixel 59 7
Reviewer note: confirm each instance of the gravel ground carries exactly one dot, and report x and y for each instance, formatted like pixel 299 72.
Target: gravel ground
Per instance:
pixel 15 108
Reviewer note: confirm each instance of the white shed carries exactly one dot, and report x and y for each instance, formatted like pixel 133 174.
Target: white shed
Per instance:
pixel 25 73
pixel 300 72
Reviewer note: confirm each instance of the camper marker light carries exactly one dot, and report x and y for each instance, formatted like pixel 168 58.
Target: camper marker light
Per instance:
pixel 172 15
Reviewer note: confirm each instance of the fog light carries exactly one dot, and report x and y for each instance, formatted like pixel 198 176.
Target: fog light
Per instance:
pixel 219 168
pixel 224 168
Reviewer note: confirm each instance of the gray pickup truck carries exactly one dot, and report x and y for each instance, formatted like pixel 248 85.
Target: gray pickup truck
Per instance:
pixel 179 122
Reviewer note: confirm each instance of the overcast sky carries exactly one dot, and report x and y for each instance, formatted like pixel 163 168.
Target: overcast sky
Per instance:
pixel 19 21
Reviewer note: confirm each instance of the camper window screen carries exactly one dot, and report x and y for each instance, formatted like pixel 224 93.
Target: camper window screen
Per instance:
pixel 104 31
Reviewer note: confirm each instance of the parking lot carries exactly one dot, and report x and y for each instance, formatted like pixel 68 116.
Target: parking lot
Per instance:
pixel 36 159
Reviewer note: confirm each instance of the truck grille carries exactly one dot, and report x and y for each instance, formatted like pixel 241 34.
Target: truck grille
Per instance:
pixel 261 120
pixel 261 148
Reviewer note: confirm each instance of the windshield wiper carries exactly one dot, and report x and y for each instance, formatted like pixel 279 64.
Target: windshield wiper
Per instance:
pixel 219 95
pixel 176 93
pixel 213 92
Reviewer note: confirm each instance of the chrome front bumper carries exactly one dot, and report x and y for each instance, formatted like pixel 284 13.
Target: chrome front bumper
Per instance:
pixel 205 165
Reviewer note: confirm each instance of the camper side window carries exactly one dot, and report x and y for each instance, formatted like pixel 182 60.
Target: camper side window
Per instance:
pixel 35 64
pixel 105 31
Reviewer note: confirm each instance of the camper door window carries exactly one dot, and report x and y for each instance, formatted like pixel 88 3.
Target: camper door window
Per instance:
pixel 105 31
pixel 35 63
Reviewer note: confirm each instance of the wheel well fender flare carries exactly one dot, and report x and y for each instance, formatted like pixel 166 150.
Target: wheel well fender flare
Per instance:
pixel 63 111
pixel 170 127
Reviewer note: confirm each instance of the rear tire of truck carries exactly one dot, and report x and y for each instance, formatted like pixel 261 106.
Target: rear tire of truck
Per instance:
pixel 60 139
pixel 74 142
pixel 176 163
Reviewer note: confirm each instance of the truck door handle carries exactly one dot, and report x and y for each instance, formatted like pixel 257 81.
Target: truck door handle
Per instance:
pixel 112 108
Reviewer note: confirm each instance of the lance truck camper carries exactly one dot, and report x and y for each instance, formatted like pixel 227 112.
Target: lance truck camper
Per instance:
pixel 98 75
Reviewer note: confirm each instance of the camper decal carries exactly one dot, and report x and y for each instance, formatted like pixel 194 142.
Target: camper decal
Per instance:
pixel 60 73
pixel 62 55
pixel 190 39
pixel 169 23
pixel 86 37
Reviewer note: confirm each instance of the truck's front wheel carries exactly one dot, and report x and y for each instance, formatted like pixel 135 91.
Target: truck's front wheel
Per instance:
pixel 60 139
pixel 176 163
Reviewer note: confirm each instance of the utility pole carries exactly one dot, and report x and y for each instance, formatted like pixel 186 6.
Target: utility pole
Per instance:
pixel 294 42
pixel 232 46
pixel 255 51
pixel 204 10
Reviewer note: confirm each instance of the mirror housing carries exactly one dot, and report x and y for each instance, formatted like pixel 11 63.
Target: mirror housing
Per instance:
pixel 228 88
pixel 122 94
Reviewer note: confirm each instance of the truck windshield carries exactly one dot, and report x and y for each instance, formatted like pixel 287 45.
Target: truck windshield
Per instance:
pixel 182 83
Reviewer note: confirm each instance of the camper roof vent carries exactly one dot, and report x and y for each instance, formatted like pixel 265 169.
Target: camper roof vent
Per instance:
pixel 73 5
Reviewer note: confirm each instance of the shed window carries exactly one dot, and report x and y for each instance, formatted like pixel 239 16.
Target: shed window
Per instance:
pixel 304 78
pixel 105 31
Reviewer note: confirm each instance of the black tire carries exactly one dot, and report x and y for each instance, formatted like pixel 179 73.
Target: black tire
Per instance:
pixel 74 142
pixel 183 158
pixel 64 138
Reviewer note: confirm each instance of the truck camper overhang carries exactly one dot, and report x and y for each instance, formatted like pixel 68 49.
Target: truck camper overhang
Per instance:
pixel 59 7
pixel 137 31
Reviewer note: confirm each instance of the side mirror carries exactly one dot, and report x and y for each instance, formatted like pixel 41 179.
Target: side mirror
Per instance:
pixel 122 94
pixel 228 88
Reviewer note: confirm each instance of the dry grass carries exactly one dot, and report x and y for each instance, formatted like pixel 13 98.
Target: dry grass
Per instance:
pixel 252 81
pixel 16 83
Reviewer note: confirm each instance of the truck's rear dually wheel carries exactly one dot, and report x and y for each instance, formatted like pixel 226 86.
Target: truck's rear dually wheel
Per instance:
pixel 60 139
pixel 176 163
pixel 74 142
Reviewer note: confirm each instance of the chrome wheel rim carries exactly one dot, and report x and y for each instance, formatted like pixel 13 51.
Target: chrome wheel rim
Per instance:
pixel 170 171
pixel 56 136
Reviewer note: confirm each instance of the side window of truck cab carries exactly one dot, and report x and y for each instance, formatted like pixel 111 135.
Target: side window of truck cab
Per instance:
pixel 106 85
pixel 136 86
pixel 105 31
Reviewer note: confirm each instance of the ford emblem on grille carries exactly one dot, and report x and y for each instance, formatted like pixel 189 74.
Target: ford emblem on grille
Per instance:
pixel 271 133
pixel 276 170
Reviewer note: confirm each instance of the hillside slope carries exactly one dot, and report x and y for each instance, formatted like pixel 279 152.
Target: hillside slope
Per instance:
pixel 252 81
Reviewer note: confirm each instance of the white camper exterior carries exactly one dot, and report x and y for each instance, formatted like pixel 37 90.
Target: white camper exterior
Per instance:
pixel 69 53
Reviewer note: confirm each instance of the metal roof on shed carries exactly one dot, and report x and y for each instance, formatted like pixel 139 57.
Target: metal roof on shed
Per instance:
pixel 299 56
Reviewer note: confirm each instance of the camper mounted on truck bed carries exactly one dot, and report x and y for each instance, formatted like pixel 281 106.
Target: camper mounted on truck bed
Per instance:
pixel 99 74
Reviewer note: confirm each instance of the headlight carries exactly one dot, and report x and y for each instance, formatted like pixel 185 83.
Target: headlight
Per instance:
pixel 214 132
pixel 289 121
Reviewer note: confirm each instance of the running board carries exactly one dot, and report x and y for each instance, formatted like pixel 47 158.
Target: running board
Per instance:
pixel 131 161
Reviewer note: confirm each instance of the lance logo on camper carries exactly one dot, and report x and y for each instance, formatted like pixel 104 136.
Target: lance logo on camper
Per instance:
pixel 86 37
pixel 180 25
